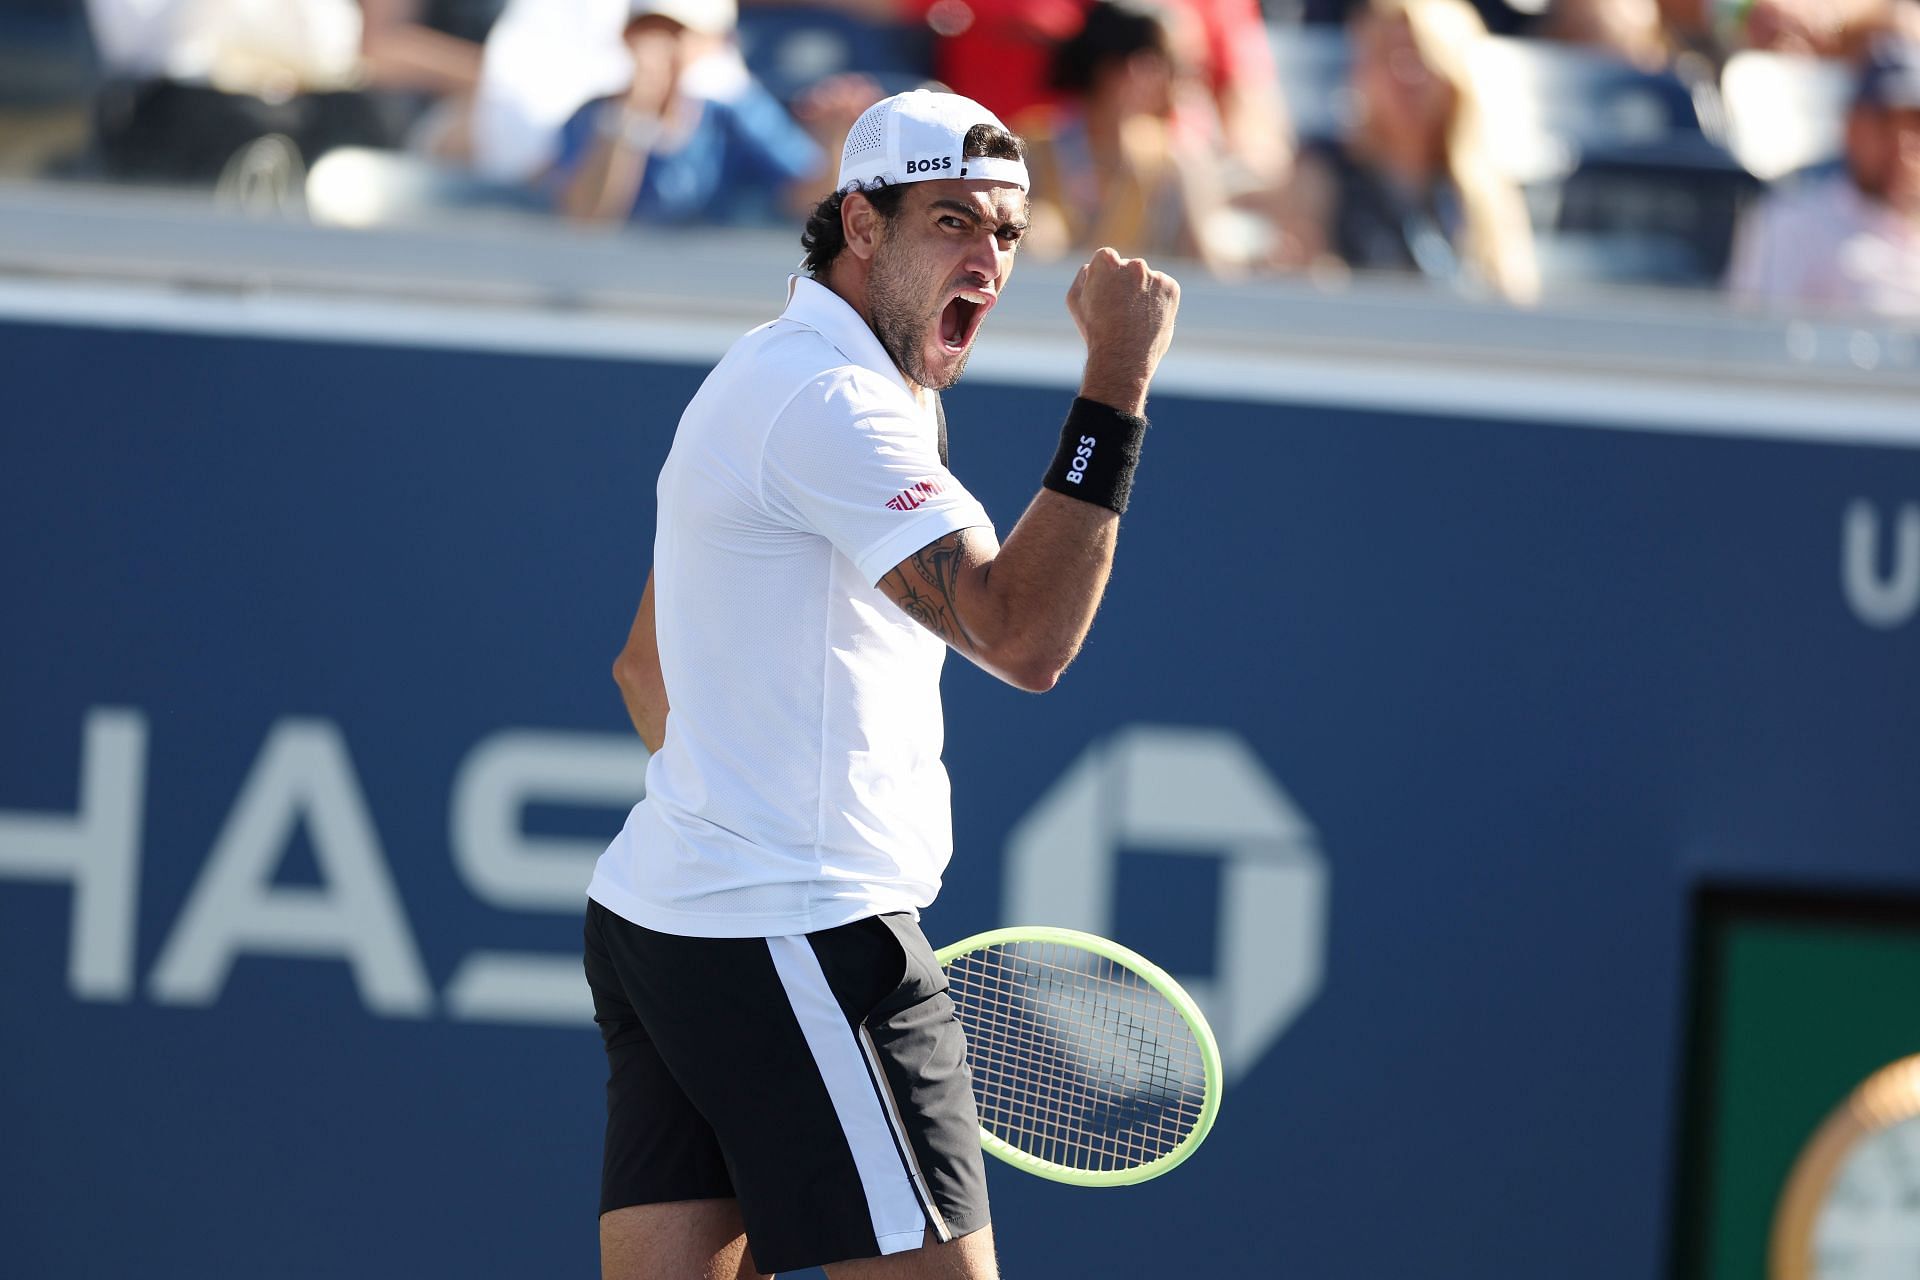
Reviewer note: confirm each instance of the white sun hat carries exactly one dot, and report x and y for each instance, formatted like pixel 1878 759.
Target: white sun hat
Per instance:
pixel 918 136
pixel 711 17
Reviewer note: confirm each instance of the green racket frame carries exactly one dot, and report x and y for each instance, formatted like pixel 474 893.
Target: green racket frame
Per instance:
pixel 1160 981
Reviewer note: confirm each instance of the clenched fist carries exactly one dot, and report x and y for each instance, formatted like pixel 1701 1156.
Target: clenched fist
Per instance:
pixel 1125 311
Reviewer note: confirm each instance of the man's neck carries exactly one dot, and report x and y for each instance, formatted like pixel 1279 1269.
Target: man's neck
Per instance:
pixel 851 287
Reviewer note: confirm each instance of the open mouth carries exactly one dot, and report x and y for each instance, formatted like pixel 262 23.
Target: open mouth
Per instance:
pixel 960 318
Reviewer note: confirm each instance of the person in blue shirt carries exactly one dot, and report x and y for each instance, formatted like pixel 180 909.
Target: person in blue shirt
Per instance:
pixel 695 139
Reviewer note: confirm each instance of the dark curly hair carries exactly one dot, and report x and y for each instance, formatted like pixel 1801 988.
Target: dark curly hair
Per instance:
pixel 1115 30
pixel 824 236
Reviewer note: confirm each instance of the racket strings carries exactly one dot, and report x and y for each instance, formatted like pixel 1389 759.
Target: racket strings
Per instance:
pixel 1076 1060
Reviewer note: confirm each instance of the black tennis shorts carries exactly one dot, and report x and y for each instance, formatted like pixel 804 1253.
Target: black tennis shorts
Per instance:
pixel 820 1079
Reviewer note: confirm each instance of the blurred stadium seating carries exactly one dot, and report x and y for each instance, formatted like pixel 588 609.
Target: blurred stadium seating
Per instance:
pixel 1654 213
pixel 1630 177
pixel 1783 111
pixel 46 53
pixel 47 76
pixel 364 187
pixel 789 48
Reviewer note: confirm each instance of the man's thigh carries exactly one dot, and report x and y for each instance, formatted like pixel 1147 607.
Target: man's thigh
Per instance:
pixel 684 1240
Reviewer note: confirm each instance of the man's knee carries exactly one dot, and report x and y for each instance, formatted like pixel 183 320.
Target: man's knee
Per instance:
pixel 970 1257
pixel 700 1238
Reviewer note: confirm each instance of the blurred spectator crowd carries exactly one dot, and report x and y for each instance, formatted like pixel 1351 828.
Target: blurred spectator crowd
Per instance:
pixel 1496 147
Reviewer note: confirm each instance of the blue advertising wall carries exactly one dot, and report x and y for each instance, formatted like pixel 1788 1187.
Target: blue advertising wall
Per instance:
pixel 1493 695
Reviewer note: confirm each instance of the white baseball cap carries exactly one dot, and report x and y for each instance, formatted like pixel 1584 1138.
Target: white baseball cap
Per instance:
pixel 712 17
pixel 920 135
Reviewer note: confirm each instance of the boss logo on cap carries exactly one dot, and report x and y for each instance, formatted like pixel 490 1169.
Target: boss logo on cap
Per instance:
pixel 929 166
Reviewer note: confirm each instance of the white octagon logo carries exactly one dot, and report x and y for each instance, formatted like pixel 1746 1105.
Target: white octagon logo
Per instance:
pixel 1186 791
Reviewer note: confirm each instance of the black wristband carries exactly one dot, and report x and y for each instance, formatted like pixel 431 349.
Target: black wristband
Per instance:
pixel 1099 449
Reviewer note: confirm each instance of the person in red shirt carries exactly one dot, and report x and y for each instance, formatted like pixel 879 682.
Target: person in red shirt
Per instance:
pixel 1000 54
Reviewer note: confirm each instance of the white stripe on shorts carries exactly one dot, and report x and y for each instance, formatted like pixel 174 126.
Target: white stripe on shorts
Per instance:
pixel 901 1140
pixel 898 1222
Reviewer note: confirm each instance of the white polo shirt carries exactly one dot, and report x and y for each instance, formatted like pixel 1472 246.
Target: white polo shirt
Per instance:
pixel 800 786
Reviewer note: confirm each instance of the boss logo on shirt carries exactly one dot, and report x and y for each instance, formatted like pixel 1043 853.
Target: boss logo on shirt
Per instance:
pixel 913 495
pixel 929 166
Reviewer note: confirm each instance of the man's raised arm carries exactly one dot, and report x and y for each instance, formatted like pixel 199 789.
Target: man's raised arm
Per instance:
pixel 1022 609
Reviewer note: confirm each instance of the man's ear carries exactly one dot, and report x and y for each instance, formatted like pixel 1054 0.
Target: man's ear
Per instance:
pixel 861 224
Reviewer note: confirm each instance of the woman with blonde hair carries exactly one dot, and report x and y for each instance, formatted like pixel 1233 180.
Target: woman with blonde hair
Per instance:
pixel 1413 186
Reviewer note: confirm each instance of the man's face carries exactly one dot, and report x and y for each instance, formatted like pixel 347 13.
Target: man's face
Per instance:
pixel 1398 91
pixel 938 269
pixel 1903 185
pixel 1883 149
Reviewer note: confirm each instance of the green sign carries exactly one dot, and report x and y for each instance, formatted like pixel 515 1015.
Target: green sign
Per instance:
pixel 1797 999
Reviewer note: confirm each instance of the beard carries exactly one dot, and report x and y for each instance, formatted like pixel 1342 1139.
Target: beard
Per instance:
pixel 902 322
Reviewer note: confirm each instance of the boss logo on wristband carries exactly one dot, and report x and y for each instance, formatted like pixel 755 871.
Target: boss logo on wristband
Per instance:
pixel 1077 469
pixel 1099 449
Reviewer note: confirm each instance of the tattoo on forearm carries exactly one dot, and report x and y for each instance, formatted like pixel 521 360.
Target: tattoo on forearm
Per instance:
pixel 921 607
pixel 927 595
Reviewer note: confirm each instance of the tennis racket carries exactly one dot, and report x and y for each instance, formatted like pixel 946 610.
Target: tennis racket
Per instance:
pixel 1090 1065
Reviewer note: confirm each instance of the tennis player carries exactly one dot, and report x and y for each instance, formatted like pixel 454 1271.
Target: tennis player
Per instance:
pixel 788 1085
